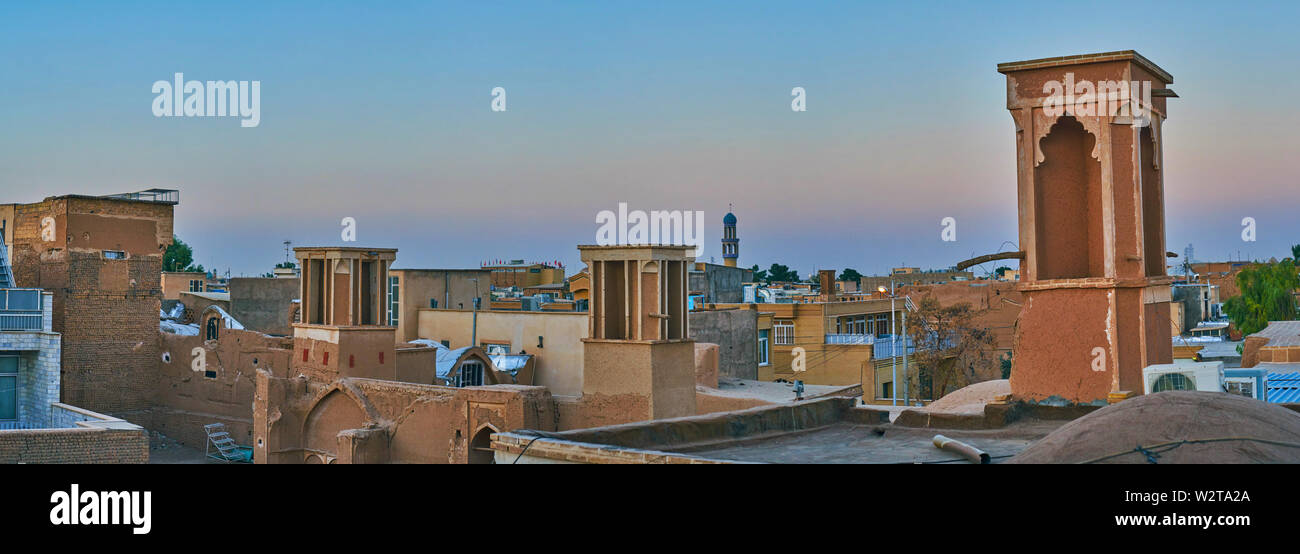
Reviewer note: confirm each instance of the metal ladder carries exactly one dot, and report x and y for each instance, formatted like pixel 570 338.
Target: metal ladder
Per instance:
pixel 226 449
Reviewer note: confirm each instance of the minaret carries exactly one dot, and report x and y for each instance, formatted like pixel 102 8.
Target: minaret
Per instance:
pixel 730 244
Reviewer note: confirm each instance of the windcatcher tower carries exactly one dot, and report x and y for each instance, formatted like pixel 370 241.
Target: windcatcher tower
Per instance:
pixel 344 329
pixel 638 356
pixel 1090 189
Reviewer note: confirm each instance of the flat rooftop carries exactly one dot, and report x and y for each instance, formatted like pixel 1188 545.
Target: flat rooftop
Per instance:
pixel 820 431
pixel 844 443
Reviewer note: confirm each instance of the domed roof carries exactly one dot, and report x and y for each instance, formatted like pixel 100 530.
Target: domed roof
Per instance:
pixel 729 219
pixel 1218 428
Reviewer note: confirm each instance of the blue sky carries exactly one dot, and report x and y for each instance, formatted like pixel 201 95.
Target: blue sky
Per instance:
pixel 382 114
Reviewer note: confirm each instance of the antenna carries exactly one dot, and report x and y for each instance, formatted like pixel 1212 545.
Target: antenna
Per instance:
pixel 287 242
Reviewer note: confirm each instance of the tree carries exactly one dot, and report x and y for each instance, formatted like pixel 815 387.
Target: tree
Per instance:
pixel 1295 252
pixel 1267 294
pixel 289 265
pixel 850 274
pixel 179 257
pixel 951 350
pixel 759 274
pixel 781 273
pixel 1001 270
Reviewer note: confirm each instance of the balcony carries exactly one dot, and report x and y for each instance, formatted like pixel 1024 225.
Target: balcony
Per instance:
pixel 849 338
pixel 20 310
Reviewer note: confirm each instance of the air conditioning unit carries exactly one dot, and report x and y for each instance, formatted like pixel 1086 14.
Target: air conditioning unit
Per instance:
pixel 1202 376
pixel 1252 383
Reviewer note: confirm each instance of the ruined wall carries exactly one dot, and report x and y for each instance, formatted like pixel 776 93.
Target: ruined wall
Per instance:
pixel 216 386
pixel 262 304
pixel 375 421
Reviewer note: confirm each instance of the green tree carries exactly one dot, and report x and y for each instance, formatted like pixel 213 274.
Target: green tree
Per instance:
pixel 1267 294
pixel 1001 270
pixel 850 274
pixel 1295 252
pixel 759 274
pixel 179 257
pixel 782 273
pixel 291 265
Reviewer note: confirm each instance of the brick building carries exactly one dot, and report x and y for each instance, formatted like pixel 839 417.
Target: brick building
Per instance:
pixel 101 257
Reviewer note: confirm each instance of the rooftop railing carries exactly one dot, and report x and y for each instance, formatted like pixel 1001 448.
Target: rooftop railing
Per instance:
pixel 162 196
pixel 849 338
pixel 20 310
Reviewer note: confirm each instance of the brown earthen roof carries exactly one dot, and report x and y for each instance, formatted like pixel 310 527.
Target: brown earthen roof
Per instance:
pixel 1078 59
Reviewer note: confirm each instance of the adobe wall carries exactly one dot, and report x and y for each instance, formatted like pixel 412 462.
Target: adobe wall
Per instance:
pixel 326 353
pixel 1060 365
pixel 262 303
pixel 736 333
pixel 417 365
pixel 184 400
pixel 614 369
pixel 375 421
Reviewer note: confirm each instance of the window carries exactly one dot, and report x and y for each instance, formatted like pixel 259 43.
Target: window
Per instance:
pixel 880 324
pixel 470 375
pixel 196 285
pixel 886 390
pixel 784 332
pixel 494 349
pixel 393 289
pixel 114 255
pixel 764 348
pixel 8 387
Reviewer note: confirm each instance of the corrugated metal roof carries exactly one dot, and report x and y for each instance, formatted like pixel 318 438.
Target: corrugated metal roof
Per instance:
pixel 1281 333
pixel 1284 388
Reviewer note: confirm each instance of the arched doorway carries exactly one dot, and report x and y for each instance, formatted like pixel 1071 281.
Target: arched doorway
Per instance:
pixel 211 329
pixel 480 449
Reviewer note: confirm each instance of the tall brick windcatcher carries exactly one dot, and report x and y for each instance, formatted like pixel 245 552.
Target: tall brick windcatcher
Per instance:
pixel 1090 189
pixel 102 260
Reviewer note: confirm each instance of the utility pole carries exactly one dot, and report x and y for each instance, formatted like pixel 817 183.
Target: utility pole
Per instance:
pixel 907 382
pixel 473 337
pixel 893 341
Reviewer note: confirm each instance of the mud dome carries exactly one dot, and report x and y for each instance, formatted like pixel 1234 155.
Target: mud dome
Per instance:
pixel 1168 417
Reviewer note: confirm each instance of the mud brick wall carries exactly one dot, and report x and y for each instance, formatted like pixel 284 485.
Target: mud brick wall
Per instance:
pixel 74 446
pixel 106 309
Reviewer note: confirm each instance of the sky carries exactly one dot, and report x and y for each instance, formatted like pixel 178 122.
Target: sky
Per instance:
pixel 382 113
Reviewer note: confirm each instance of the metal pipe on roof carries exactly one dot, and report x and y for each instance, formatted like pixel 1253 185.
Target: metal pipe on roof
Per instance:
pixel 975 455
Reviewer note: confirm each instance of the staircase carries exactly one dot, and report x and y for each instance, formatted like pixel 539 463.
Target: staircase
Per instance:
pixel 6 272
